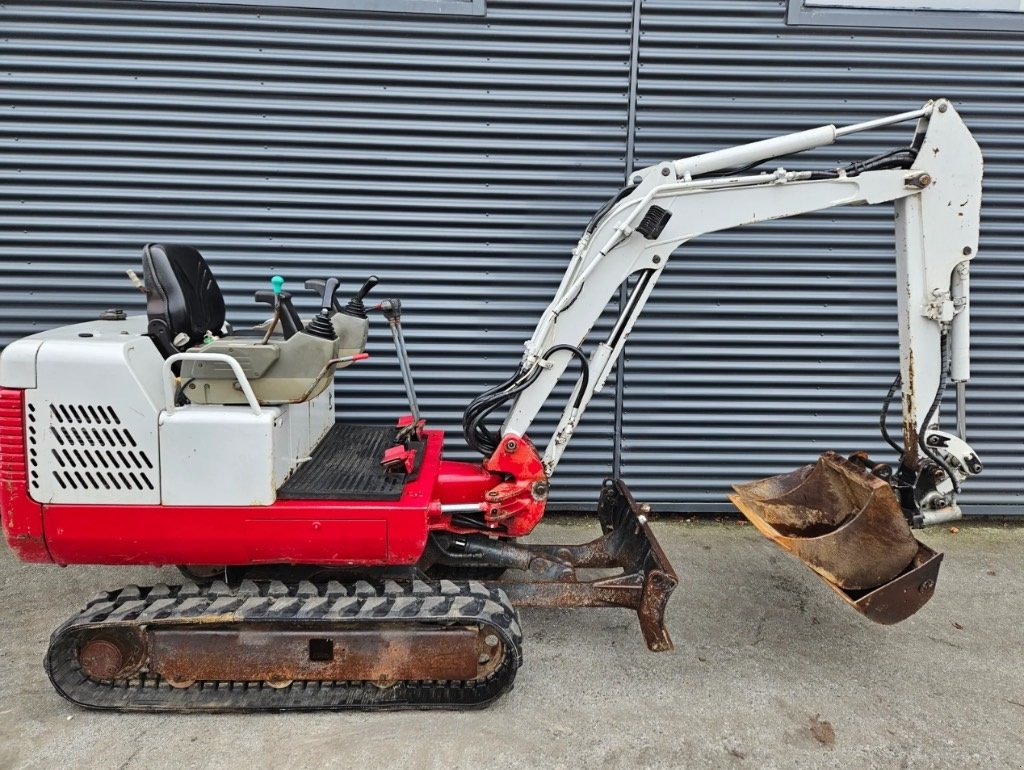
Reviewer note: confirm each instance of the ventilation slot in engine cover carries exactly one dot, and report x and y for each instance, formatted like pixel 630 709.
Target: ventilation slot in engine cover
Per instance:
pixel 92 450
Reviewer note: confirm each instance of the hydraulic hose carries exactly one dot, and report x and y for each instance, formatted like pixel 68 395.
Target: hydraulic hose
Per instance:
pixel 584 370
pixel 943 370
pixel 896 383
pixel 478 436
pixel 474 428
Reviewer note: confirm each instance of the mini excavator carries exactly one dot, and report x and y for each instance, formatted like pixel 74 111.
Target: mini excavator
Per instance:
pixel 337 565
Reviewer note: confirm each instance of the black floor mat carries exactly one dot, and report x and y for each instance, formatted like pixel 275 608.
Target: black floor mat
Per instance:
pixel 346 466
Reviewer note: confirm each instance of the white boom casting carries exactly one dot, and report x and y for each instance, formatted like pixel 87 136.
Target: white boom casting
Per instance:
pixel 937 196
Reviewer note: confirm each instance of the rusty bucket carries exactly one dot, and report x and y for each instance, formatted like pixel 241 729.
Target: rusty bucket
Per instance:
pixel 846 525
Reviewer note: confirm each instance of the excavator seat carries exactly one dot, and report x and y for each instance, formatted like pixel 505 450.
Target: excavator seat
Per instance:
pixel 847 525
pixel 182 296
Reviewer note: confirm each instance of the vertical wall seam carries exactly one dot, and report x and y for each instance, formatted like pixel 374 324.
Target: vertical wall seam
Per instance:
pixel 620 365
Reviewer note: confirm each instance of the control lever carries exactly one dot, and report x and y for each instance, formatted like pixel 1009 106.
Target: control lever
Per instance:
pixel 318 285
pixel 355 306
pixel 281 301
pixel 392 310
pixel 328 300
pixel 321 325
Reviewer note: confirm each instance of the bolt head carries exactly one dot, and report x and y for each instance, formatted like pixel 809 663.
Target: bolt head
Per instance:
pixel 637 179
pixel 967 251
pixel 511 446
pixel 665 171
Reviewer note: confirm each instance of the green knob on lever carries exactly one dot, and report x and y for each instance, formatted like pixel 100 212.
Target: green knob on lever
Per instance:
pixel 277 283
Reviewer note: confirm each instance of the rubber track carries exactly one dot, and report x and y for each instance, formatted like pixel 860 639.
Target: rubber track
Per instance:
pixel 333 602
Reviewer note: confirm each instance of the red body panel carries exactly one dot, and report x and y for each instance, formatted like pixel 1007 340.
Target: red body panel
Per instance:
pixel 22 517
pixel 462 483
pixel 292 531
pixel 327 532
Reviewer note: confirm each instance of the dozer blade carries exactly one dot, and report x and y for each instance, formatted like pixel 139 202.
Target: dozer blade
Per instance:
pixel 846 525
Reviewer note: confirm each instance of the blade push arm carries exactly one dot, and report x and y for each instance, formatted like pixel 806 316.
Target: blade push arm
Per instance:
pixel 936 187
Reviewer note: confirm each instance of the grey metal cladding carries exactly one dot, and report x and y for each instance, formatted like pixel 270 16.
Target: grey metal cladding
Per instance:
pixel 998 15
pixel 766 345
pixel 457 7
pixel 459 157
pixel 455 157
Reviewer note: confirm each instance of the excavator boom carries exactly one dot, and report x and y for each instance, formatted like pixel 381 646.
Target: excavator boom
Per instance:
pixel 848 520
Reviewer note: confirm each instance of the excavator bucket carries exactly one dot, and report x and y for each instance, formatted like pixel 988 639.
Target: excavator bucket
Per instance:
pixel 845 524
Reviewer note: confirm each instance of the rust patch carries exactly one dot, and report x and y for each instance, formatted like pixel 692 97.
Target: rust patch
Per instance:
pixel 110 653
pixel 100 659
pixel 279 656
pixel 846 524
pixel 910 450
pixel 822 730
pixel 644 584
pixel 840 520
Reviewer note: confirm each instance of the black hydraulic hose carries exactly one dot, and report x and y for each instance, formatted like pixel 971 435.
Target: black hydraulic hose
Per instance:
pixel 475 431
pixel 902 157
pixel 180 399
pixel 592 224
pixel 584 369
pixel 933 456
pixel 897 382
pixel 474 428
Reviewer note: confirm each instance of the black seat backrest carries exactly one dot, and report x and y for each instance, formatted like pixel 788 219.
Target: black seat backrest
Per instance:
pixel 182 296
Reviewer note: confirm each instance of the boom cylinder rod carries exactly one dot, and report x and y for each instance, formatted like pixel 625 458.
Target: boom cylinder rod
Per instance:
pixel 867 125
pixel 960 327
pixel 787 144
pixel 961 410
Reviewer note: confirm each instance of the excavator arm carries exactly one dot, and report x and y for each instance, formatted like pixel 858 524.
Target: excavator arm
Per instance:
pixel 935 184
pixel 848 519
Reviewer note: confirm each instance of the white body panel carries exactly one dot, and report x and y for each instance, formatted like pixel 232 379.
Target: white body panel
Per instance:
pixel 306 424
pixel 221 455
pixel 92 416
pixel 227 455
pixel 98 430
pixel 18 363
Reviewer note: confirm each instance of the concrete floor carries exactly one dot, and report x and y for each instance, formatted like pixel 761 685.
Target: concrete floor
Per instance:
pixel 765 657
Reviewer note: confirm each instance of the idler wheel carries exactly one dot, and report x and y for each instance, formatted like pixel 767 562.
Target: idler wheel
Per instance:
pixel 105 655
pixel 100 659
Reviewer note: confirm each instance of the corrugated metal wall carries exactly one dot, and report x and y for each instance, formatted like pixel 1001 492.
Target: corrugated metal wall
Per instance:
pixel 458 158
pixel 455 157
pixel 764 346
